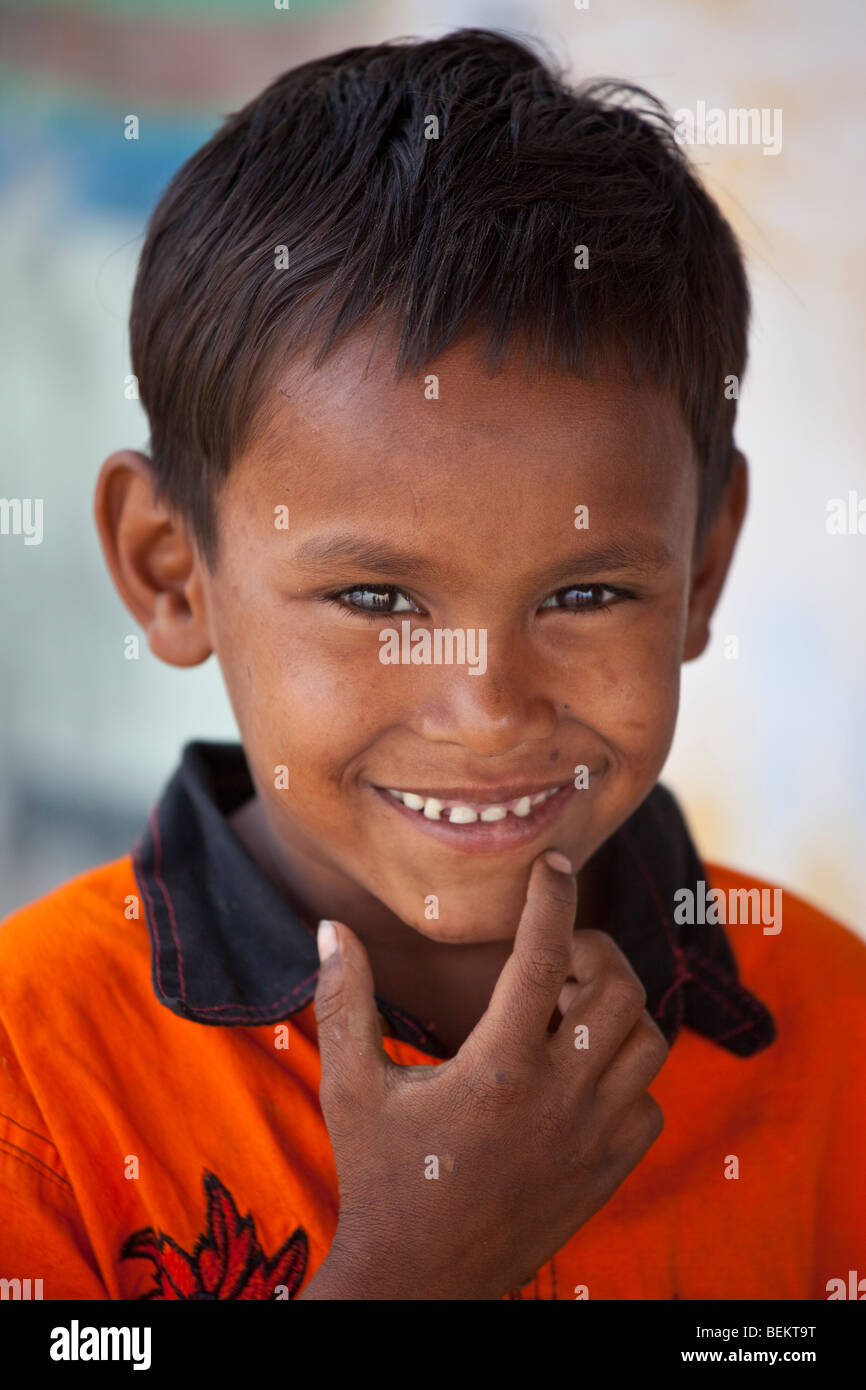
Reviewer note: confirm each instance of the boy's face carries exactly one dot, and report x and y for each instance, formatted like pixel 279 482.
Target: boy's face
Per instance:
pixel 456 512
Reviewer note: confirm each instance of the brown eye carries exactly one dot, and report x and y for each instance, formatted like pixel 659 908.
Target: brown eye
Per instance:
pixel 375 598
pixel 583 598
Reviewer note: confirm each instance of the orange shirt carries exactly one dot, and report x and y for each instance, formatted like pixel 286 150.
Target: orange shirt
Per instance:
pixel 146 1152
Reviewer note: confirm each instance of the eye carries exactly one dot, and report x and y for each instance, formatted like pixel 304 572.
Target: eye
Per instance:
pixel 586 598
pixel 371 600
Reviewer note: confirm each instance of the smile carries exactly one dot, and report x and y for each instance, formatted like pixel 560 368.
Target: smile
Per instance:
pixel 512 817
pixel 465 812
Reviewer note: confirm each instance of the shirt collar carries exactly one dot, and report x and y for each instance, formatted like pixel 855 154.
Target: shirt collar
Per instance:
pixel 227 949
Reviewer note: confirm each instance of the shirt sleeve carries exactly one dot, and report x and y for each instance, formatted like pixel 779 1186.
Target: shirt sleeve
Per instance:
pixel 42 1234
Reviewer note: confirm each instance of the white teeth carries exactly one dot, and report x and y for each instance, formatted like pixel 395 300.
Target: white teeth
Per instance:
pixel 432 808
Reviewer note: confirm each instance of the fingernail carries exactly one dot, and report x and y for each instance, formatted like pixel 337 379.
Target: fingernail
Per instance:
pixel 326 939
pixel 558 861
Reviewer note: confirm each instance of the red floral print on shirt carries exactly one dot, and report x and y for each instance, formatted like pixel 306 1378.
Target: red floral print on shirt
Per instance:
pixel 227 1261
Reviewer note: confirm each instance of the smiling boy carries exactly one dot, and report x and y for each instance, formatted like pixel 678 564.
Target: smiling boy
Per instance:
pixel 386 387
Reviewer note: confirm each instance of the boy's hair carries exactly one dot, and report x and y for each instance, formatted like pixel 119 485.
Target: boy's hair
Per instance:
pixel 476 229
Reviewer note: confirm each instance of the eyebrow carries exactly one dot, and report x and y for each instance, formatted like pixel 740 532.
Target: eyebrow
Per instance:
pixel 637 553
pixel 640 553
pixel 351 549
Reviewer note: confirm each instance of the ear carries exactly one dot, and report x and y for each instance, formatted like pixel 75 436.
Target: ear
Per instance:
pixel 156 568
pixel 713 562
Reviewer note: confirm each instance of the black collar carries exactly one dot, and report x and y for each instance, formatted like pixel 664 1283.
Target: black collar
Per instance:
pixel 227 948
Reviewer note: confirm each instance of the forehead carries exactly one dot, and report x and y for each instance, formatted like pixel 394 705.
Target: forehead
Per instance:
pixel 455 448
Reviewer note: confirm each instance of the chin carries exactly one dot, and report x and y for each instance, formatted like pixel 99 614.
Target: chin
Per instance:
pixel 467 916
pixel 468 934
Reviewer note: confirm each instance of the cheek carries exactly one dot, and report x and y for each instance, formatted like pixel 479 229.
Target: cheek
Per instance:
pixel 625 686
pixel 626 683
pixel 641 704
pixel 303 698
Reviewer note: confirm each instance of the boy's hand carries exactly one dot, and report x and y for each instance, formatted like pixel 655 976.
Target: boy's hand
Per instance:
pixel 531 1133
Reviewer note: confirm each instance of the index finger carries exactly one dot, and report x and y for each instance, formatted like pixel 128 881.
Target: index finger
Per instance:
pixel 528 987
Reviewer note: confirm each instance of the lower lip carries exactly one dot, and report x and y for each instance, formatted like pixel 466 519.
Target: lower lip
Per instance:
pixel 490 837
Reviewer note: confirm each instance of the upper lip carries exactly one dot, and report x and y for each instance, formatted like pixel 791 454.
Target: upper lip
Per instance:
pixel 503 791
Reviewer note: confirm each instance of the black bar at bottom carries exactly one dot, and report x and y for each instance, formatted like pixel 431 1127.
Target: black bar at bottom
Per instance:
pixel 60 1338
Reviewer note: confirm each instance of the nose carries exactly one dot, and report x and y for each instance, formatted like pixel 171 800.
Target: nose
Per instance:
pixel 491 714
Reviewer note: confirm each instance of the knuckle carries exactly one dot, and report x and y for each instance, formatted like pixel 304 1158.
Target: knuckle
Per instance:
pixel 336 1091
pixel 654 1044
pixel 582 1161
pixel 328 1002
pixel 652 1115
pixel 546 965
pixel 626 995
pixel 595 937
pixel 639 1126
pixel 598 950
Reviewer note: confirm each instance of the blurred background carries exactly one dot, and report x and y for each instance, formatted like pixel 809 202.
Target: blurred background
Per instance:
pixel 769 756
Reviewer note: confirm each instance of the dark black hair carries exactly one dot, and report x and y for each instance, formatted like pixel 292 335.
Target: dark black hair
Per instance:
pixel 473 230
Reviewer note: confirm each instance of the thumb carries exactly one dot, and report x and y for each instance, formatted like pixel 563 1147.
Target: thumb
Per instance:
pixel 350 1033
